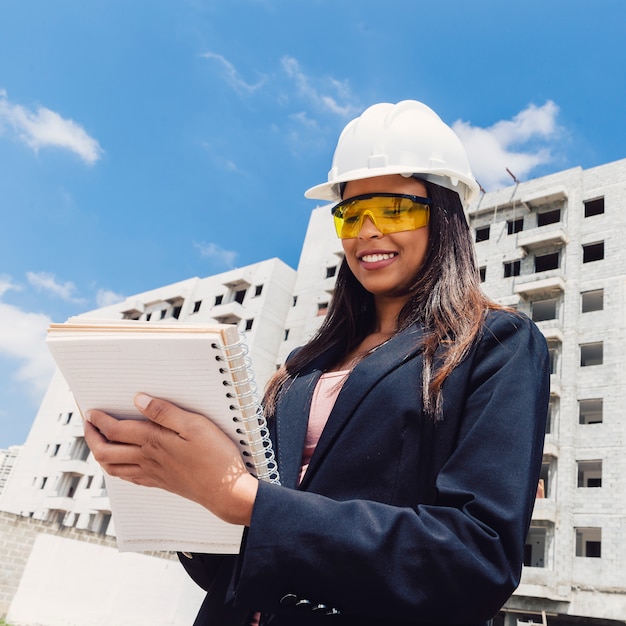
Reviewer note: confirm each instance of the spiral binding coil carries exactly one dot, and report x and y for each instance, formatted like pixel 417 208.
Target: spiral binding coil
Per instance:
pixel 251 424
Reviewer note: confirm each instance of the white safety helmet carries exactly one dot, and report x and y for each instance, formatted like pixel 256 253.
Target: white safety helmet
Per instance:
pixel 407 138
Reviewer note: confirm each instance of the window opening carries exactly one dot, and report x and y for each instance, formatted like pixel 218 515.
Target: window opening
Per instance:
pixel 258 290
pixel 591 353
pixel 240 295
pixel 80 450
pixel 543 490
pixel 249 324
pixel 589 542
pixel 482 273
pixel 589 473
pixel 482 234
pixel 592 300
pixel 544 310
pixel 535 547
pixel 331 271
pixel 594 207
pixel 590 411
pixel 512 268
pixel 72 485
pixel 219 299
pixel 553 355
pixel 552 412
pixel 103 525
pixel 547 262
pixel 548 217
pixel 322 308
pixel 514 226
pixel 593 252
pixel 196 306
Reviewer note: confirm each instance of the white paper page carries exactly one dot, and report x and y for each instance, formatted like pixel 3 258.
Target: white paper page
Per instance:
pixel 105 373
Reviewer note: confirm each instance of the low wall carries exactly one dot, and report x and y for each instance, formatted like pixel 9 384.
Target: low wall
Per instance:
pixel 51 575
pixel 17 536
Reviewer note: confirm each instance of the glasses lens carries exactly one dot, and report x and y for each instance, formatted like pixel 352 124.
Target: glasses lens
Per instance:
pixel 391 213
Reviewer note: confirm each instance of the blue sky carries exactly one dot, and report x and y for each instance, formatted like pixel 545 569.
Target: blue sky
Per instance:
pixel 144 142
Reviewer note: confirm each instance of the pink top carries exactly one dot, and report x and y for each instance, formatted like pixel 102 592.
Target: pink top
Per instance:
pixel 324 397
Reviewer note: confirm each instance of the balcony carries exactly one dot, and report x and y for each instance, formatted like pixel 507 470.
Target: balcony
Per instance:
pixel 244 279
pixel 551 330
pixel 550 449
pixel 100 503
pixel 329 284
pixel 545 510
pixel 74 466
pixel 555 385
pixel 550 282
pixel 539 582
pixel 77 430
pixel 59 503
pixel 543 197
pixel 542 237
pixel 229 311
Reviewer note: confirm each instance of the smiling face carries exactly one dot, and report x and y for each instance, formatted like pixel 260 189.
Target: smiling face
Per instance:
pixel 386 265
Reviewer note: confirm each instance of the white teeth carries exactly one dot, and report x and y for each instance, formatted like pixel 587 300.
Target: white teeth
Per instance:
pixel 373 258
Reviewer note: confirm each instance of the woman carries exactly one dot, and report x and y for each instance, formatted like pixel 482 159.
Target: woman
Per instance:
pixel 408 431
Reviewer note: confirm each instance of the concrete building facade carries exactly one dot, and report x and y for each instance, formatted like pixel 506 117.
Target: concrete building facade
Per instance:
pixel 553 249
pixel 550 248
pixel 7 462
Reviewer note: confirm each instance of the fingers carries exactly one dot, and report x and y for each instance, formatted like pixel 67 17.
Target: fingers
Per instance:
pixel 168 415
pixel 159 411
pixel 108 452
pixel 122 460
pixel 178 451
pixel 121 431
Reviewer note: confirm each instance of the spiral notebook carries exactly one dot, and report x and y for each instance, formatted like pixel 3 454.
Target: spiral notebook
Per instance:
pixel 204 369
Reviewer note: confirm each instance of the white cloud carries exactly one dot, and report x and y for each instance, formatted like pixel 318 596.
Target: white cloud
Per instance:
pixel 106 297
pixel 305 120
pixel 214 252
pixel 232 75
pixel 43 281
pixel 324 93
pixel 6 283
pixel 327 93
pixel 22 338
pixel 46 128
pixel 520 144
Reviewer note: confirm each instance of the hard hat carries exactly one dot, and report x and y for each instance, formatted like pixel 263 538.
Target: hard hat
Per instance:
pixel 405 138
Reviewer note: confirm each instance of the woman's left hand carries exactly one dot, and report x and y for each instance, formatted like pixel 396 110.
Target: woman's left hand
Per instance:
pixel 176 450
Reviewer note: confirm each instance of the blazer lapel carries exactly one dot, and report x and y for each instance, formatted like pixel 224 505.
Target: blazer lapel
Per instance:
pixel 362 379
pixel 292 418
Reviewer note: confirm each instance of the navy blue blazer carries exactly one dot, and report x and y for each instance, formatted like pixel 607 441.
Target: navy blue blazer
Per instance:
pixel 398 520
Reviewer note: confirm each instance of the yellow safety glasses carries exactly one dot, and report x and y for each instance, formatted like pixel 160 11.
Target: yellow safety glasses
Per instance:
pixel 390 212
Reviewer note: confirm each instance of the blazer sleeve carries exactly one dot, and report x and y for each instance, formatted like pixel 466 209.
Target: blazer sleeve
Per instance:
pixel 456 558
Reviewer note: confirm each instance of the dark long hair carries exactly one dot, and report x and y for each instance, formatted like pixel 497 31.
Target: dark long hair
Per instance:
pixel 447 300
